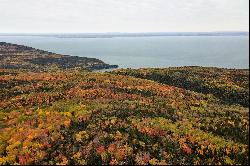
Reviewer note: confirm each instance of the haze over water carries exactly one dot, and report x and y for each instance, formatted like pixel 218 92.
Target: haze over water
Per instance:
pixel 140 52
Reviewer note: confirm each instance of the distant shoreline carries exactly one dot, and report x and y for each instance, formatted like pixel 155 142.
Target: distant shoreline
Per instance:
pixel 113 35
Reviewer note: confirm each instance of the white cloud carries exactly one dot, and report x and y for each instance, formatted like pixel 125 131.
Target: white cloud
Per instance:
pixel 123 15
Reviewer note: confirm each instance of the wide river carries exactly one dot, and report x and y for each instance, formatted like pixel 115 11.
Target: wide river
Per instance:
pixel 138 52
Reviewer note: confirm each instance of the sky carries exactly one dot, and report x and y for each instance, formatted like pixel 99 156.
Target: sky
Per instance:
pixel 85 16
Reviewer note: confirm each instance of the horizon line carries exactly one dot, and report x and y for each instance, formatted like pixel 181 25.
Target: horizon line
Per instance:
pixel 125 32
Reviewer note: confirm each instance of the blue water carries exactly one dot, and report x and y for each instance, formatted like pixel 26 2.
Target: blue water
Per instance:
pixel 137 52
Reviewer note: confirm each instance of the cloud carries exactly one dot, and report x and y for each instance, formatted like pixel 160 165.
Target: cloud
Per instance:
pixel 123 15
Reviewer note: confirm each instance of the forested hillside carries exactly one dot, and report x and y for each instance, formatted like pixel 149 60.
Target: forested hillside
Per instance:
pixel 13 56
pixel 184 116
pixel 229 85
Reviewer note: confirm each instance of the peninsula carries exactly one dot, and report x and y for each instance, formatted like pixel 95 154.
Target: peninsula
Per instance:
pixel 14 56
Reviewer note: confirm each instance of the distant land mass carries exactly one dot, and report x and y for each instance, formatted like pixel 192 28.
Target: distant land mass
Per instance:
pixel 14 56
pixel 122 34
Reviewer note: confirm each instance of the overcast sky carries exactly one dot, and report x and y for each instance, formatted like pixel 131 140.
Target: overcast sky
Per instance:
pixel 123 15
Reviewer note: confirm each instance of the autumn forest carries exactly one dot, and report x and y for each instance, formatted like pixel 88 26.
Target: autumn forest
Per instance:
pixel 55 109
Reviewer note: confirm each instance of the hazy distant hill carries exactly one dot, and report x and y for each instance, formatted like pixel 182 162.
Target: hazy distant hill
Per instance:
pixel 123 34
